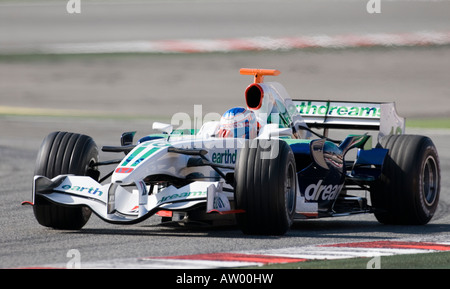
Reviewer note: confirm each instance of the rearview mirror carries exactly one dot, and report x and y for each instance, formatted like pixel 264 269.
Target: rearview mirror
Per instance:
pixel 163 127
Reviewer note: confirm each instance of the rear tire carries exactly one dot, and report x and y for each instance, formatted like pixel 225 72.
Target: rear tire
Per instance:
pixel 64 153
pixel 265 187
pixel 408 190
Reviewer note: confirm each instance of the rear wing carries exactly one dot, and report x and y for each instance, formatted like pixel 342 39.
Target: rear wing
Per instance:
pixel 381 117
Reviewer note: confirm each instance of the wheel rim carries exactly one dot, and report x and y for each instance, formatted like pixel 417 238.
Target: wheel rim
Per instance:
pixel 289 189
pixel 430 180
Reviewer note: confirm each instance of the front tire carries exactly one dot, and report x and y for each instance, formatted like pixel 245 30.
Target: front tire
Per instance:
pixel 64 153
pixel 265 187
pixel 409 187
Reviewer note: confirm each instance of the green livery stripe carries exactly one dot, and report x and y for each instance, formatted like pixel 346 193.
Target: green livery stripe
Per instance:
pixel 296 141
pixel 132 156
pixel 144 156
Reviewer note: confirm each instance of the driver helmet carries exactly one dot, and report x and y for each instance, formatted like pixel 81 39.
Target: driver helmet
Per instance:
pixel 238 122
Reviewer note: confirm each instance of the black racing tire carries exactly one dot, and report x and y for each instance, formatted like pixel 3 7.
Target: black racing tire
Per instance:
pixel 407 192
pixel 64 153
pixel 265 187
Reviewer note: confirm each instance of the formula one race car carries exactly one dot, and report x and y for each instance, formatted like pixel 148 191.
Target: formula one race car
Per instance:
pixel 263 167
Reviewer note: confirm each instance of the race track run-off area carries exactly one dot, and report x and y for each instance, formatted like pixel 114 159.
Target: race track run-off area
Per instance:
pixel 372 249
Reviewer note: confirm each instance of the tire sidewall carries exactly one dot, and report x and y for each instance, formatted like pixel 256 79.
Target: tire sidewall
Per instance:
pixel 288 163
pixel 425 208
pixel 398 196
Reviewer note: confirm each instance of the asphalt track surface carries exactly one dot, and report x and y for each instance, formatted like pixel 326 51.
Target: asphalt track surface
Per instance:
pixel 103 92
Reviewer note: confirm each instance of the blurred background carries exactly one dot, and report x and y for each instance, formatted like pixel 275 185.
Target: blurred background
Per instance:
pixel 93 61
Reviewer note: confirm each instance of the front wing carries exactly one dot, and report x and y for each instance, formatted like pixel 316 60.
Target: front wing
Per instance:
pixel 129 204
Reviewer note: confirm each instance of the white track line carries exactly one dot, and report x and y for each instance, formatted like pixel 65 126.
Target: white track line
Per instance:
pixel 325 253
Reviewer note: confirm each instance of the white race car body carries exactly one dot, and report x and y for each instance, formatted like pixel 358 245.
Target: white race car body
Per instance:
pixel 128 197
pixel 192 176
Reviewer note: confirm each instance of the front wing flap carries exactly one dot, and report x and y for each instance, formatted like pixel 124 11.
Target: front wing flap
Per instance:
pixel 116 203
